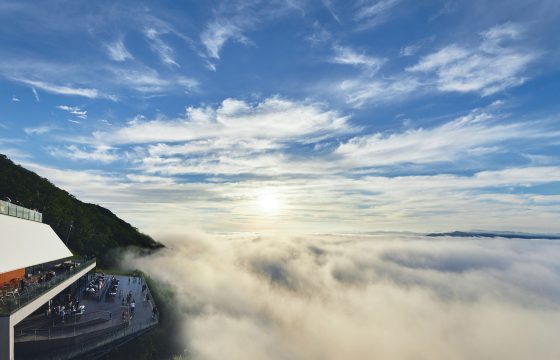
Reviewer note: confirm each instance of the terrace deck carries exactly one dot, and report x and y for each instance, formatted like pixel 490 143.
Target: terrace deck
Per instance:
pixel 100 324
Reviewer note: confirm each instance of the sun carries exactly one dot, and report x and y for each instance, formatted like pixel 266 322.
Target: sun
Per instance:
pixel 269 201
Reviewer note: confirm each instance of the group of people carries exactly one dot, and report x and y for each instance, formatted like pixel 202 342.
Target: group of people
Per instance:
pixel 130 304
pixel 67 308
pixel 96 284
pixel 114 286
pixel 29 280
pixel 46 276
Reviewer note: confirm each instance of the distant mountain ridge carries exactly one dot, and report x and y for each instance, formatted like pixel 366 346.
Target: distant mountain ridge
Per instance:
pixel 502 234
pixel 95 229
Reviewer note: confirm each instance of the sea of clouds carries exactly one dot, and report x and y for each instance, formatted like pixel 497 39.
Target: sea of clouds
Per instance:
pixel 380 296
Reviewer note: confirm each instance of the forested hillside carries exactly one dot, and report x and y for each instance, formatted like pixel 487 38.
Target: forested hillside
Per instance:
pixel 95 230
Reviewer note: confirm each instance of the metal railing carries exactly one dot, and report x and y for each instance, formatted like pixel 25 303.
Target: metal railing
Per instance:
pixel 71 327
pixel 10 209
pixel 104 339
pixel 16 300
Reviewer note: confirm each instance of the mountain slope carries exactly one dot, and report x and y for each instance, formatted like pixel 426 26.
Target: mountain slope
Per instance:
pixel 95 230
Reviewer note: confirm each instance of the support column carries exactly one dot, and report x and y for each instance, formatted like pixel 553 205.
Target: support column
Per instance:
pixel 6 338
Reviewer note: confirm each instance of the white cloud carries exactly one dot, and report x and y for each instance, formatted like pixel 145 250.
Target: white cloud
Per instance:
pixel 496 63
pixel 233 18
pixel 490 67
pixel 35 94
pixel 148 80
pixel 217 33
pixel 273 118
pixel 37 130
pixel 409 50
pixel 365 90
pixel 235 137
pixel 319 35
pixel 373 12
pixel 88 185
pixel 164 50
pixel 74 110
pixel 150 179
pixel 66 90
pixel 475 134
pixel 117 51
pixel 319 297
pixel 414 48
pixel 347 56
pixel 330 7
pixel 15 98
pixel 144 79
pixel 100 153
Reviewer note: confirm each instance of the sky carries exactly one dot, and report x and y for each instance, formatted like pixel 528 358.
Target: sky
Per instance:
pixel 290 116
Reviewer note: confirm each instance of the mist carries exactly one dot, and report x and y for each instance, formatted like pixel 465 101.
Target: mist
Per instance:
pixel 381 296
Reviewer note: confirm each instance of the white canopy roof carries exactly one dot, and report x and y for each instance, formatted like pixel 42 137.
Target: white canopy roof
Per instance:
pixel 26 243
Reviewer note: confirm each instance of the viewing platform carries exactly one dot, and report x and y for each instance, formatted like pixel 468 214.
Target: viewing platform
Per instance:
pixel 106 322
pixel 56 306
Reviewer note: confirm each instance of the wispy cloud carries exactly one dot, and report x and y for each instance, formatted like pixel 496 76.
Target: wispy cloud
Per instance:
pixel 148 80
pixel 487 68
pixel 469 136
pixel 232 19
pixel 37 130
pixel 363 89
pixel 330 7
pixel 370 13
pixel 347 56
pixel 100 153
pixel 165 52
pixel 319 35
pixel 74 110
pixel 495 63
pixel 15 98
pixel 66 90
pixel 414 48
pixel 217 33
pixel 36 94
pixel 117 51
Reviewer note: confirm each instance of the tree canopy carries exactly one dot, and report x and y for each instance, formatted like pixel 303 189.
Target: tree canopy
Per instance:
pixel 95 230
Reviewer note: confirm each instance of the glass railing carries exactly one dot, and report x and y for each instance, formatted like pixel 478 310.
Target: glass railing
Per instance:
pixel 10 209
pixel 12 300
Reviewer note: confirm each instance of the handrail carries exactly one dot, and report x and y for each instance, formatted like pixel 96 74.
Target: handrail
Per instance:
pixel 70 328
pixel 103 338
pixel 10 209
pixel 12 303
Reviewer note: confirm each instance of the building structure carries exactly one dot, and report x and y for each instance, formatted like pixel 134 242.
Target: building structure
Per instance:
pixel 29 250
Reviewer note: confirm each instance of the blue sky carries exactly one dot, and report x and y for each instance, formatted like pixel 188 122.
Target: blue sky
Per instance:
pixel 290 115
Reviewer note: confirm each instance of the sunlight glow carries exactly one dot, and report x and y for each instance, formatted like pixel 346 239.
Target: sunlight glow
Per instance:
pixel 269 201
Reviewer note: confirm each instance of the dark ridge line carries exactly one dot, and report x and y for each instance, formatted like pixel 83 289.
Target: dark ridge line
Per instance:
pixel 507 235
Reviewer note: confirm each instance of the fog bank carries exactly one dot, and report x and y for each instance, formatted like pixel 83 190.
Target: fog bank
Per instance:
pixel 383 296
